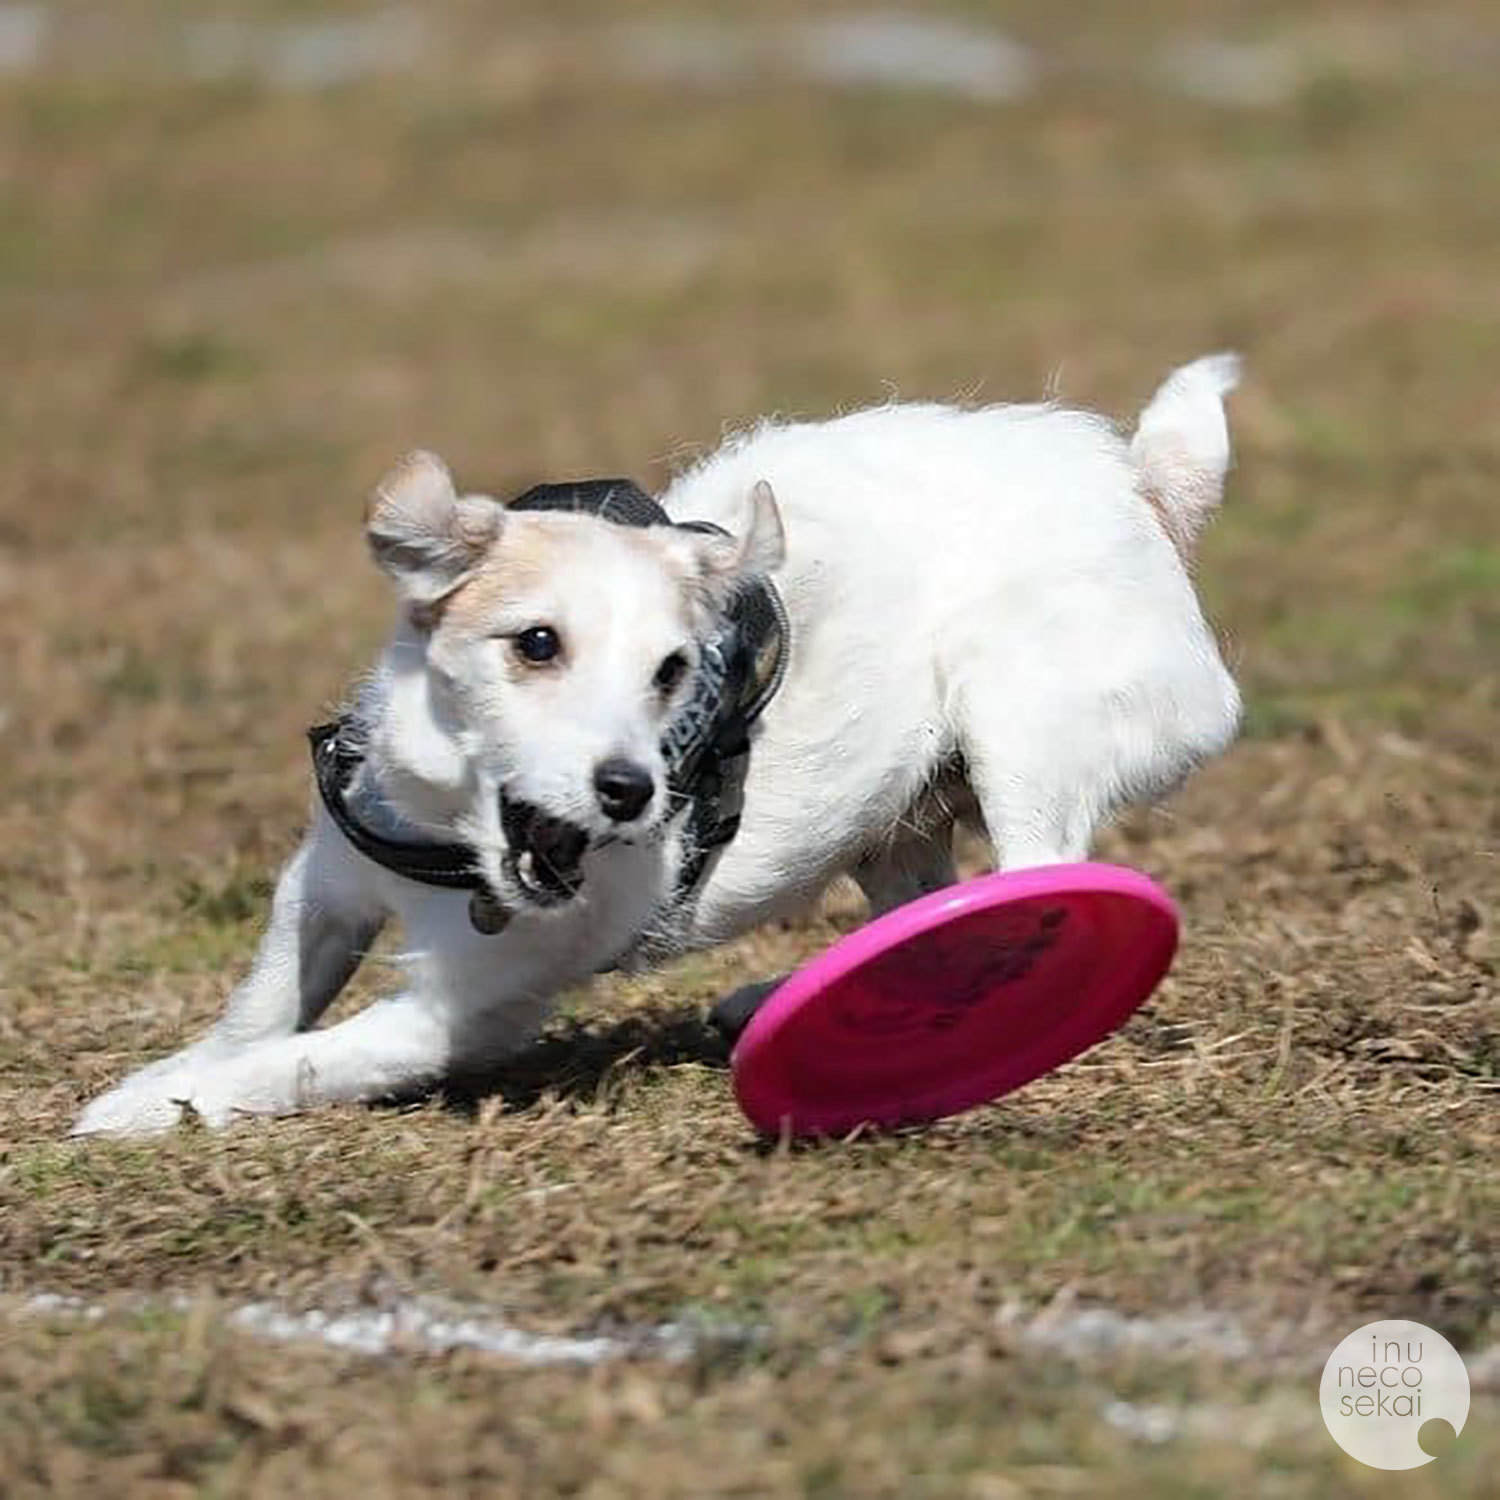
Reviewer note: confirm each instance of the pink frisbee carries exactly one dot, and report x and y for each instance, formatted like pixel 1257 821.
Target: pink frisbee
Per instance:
pixel 955 999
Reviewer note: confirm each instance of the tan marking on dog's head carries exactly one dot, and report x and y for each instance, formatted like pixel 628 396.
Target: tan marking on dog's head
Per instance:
pixel 507 570
pixel 538 555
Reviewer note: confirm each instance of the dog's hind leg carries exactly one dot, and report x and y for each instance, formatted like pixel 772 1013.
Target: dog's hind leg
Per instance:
pixel 1042 787
pixel 912 865
pixel 733 1012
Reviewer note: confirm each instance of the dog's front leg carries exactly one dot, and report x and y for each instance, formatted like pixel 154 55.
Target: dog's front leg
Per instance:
pixel 394 1047
pixel 470 999
pixel 324 916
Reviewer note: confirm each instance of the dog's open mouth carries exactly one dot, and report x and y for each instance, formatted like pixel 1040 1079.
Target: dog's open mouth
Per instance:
pixel 545 853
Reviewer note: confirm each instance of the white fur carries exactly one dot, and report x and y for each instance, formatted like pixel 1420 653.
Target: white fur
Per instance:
pixel 992 621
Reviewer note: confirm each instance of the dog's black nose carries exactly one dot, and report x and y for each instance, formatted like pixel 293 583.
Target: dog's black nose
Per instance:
pixel 624 788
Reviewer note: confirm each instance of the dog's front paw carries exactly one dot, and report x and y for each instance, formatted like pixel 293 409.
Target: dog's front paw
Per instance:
pixel 129 1110
pixel 152 1105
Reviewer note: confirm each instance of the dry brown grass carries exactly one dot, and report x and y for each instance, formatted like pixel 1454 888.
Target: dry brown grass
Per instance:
pixel 228 308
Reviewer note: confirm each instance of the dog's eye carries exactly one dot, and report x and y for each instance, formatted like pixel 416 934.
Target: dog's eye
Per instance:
pixel 537 645
pixel 669 673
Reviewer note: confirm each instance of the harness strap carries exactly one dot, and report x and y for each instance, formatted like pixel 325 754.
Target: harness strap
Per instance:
pixel 335 760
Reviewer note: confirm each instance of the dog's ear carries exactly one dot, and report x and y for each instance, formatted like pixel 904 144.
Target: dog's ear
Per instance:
pixel 763 541
pixel 423 533
pixel 757 549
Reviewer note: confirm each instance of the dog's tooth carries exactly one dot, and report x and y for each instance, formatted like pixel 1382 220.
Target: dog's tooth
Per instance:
pixel 526 868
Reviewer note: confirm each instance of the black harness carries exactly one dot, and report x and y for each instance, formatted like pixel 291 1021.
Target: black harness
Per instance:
pixel 706 745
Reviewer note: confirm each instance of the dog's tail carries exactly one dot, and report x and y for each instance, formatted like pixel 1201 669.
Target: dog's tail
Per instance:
pixel 1181 446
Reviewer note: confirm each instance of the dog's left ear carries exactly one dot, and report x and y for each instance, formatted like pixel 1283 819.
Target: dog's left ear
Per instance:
pixel 758 548
pixel 425 534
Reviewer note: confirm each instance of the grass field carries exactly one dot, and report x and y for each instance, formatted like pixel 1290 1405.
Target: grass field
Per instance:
pixel 242 267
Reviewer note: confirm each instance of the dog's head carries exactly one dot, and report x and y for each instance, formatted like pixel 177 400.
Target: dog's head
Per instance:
pixel 556 647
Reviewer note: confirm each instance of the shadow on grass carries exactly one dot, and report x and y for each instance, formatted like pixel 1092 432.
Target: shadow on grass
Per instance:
pixel 586 1060
pixel 581 1060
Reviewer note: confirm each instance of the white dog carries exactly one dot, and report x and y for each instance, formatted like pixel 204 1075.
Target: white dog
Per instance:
pixel 988 618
